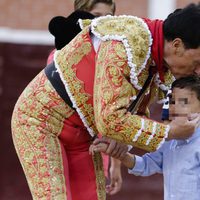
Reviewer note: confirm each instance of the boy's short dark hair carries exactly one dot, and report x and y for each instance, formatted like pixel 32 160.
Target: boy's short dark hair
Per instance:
pixel 184 24
pixel 189 82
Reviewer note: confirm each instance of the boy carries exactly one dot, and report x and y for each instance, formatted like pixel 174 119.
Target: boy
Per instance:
pixel 178 160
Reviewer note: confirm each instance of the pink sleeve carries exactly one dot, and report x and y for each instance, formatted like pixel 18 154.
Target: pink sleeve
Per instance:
pixel 50 57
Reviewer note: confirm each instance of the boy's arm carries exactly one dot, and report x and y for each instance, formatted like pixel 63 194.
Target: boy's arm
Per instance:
pixel 115 184
pixel 127 159
pixel 148 164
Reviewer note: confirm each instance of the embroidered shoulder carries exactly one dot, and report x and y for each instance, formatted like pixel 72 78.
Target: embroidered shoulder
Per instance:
pixel 84 23
pixel 133 32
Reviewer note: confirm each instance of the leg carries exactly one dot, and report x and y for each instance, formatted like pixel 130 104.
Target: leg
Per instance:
pixel 44 162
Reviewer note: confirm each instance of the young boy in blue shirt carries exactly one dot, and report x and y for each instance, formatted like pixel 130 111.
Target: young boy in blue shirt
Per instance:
pixel 177 160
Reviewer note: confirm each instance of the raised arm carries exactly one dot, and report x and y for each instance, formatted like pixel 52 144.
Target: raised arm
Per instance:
pixel 113 92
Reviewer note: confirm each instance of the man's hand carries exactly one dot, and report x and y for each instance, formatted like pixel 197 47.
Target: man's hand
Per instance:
pixel 114 149
pixel 106 145
pixel 101 147
pixel 183 127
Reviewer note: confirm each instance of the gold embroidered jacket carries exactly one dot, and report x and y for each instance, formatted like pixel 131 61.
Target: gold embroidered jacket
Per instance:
pixel 121 67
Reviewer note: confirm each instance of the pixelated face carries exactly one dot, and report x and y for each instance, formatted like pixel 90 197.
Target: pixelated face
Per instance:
pixel 185 63
pixel 183 102
pixel 102 9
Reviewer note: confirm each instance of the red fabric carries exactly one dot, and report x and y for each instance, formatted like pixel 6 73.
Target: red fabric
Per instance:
pixel 156 29
pixel 76 141
pixel 50 57
pixel 66 171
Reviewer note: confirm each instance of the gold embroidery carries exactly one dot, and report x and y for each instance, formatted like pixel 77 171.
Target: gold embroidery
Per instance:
pixel 67 59
pixel 142 77
pixel 143 138
pixel 37 121
pixel 112 94
pixel 100 178
pixel 71 55
pixel 84 23
pixel 132 29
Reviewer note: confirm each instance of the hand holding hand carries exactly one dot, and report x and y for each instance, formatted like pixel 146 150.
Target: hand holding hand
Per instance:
pixel 110 147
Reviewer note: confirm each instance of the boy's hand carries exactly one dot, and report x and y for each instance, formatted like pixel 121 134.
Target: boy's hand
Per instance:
pixel 115 184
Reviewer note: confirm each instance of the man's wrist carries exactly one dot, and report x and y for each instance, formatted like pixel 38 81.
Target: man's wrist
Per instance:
pixel 129 160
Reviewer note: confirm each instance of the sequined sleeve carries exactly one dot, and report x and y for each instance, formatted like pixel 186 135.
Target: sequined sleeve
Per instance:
pixel 112 93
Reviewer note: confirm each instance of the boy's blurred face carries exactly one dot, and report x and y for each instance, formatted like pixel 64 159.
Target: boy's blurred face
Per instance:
pixel 183 102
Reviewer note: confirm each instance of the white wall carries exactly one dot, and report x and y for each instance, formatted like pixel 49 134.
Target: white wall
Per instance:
pixel 10 35
pixel 159 9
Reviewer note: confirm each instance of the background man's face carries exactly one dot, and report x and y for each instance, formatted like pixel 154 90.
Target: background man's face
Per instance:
pixel 102 9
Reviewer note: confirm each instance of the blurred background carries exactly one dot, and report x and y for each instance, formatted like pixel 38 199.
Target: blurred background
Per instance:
pixel 25 44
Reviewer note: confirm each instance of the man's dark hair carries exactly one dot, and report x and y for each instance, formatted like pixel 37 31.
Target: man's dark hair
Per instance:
pixel 184 24
pixel 189 82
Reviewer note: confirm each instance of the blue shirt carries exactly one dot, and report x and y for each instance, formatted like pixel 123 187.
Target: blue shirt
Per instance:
pixel 179 161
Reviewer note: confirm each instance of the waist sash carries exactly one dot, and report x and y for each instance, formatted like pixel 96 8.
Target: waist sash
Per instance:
pixel 54 78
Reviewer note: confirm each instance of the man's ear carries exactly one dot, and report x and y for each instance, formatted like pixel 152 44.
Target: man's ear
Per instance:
pixel 178 46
